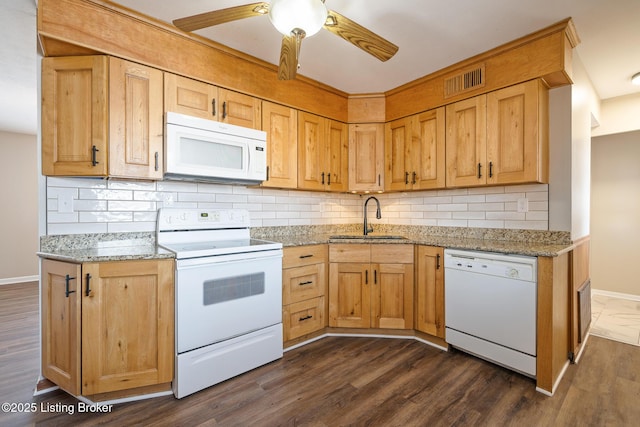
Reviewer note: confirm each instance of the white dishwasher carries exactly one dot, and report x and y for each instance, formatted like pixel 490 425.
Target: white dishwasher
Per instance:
pixel 490 307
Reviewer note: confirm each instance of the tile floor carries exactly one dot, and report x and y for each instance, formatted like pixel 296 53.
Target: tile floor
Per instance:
pixel 615 318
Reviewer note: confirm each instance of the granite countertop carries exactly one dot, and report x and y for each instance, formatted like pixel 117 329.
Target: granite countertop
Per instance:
pixel 101 247
pixel 521 242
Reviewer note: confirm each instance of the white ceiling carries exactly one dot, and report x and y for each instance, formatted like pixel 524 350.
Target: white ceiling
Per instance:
pixel 431 35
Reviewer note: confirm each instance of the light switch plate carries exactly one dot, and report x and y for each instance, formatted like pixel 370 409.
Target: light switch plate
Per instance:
pixel 523 205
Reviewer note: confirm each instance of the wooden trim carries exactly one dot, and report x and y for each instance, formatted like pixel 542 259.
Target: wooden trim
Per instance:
pixel 553 320
pixel 542 54
pixel 580 274
pixel 139 38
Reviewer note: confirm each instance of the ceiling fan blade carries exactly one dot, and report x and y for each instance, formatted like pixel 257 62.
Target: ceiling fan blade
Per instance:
pixel 209 19
pixel 289 57
pixel 359 36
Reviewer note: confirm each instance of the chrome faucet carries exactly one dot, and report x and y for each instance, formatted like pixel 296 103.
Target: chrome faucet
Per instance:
pixel 368 229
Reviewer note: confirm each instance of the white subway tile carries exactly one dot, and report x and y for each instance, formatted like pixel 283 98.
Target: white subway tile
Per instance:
pixel 486 190
pixel 180 186
pixel 474 198
pixel 438 199
pixel 537 216
pixel 105 194
pixel 468 215
pixel 486 207
pixel 231 198
pixel 529 225
pixel 452 223
pixel 90 205
pixel 437 215
pixel 76 228
pixel 525 188
pixel 131 185
pixel 506 197
pixel 486 223
pixel 116 205
pixel 511 216
pixel 452 207
pixel 130 227
pixel 55 217
pixel 106 216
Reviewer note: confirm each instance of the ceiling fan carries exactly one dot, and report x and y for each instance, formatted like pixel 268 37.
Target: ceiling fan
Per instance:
pixel 296 19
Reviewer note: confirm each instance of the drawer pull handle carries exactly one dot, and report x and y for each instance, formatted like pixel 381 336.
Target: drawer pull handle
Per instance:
pixel 305 318
pixel 308 282
pixel 67 279
pixel 87 290
pixel 305 256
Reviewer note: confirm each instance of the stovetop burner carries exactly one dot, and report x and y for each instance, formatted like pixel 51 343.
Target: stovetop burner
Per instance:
pixel 194 233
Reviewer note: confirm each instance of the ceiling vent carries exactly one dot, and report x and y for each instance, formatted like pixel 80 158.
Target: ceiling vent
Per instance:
pixel 464 82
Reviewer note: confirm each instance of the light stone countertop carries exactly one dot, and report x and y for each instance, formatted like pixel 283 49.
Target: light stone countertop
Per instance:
pixel 101 247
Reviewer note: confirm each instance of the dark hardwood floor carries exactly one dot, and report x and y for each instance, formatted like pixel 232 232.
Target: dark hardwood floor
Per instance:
pixel 341 381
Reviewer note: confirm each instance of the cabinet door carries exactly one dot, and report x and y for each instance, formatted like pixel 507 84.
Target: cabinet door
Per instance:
pixel 128 325
pixel 191 97
pixel 75 116
pixel 516 141
pixel 135 120
pixel 366 157
pixel 349 295
pixel 337 157
pixel 392 296
pixel 430 290
pixel 466 143
pixel 240 109
pixel 60 313
pixel 428 156
pixel 312 151
pixel 397 174
pixel 281 125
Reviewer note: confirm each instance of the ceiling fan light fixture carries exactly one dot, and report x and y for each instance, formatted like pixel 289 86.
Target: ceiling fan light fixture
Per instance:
pixel 636 79
pixel 306 15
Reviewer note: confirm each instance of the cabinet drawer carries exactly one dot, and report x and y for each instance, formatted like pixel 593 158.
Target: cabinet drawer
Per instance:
pixel 303 318
pixel 303 283
pixel 348 252
pixel 304 255
pixel 397 254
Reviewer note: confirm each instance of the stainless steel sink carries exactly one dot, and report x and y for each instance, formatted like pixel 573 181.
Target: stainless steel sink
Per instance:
pixel 367 237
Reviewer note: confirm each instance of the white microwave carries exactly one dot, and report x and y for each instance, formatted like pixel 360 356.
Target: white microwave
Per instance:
pixel 197 149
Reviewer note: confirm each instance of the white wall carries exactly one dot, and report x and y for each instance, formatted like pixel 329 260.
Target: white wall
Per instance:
pixel 83 205
pixel 615 209
pixel 19 195
pixel 560 159
pixel 620 114
pixel 585 104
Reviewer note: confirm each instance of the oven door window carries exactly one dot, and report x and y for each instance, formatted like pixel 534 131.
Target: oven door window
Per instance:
pixel 218 291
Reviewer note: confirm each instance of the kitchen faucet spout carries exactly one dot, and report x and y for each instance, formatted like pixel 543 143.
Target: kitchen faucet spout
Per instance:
pixel 368 229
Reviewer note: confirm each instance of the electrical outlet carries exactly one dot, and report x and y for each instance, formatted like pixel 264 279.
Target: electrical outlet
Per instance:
pixel 523 205
pixel 65 203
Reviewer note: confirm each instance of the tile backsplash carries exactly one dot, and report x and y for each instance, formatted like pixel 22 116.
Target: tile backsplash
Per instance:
pixel 88 205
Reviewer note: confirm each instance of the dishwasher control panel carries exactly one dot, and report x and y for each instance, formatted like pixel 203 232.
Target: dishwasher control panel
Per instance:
pixel 493 264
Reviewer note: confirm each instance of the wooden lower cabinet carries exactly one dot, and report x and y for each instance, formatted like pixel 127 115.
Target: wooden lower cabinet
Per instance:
pixel 430 290
pixel 304 284
pixel 371 286
pixel 107 326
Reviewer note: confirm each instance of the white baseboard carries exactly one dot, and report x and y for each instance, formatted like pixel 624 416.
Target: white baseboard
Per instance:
pixel 620 295
pixel 23 279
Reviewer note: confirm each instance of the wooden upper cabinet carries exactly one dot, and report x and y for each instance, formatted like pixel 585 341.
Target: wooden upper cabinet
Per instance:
pixel 239 109
pixel 415 152
pixel 75 114
pixel 135 120
pixel 428 153
pixel 466 142
pixel 101 116
pixel 517 134
pixel 366 157
pixel 190 97
pixel 397 144
pixel 322 153
pixel 281 125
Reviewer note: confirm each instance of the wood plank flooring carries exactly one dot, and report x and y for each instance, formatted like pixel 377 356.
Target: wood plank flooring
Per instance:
pixel 341 381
